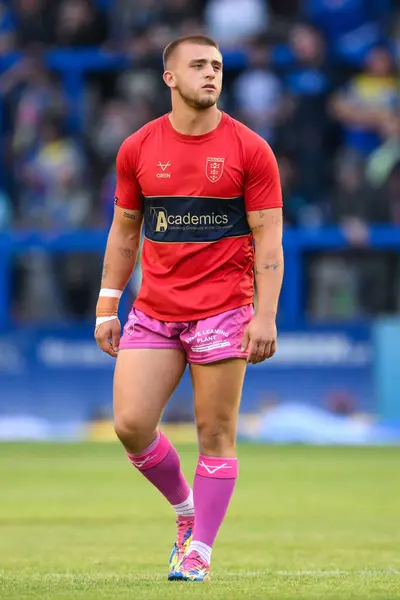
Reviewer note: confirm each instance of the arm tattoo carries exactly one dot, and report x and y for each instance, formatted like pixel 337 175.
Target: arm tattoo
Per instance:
pixel 267 267
pixel 255 227
pixel 260 225
pixel 105 272
pixel 271 266
pixel 277 221
pixel 129 216
pixel 126 253
pixel 262 214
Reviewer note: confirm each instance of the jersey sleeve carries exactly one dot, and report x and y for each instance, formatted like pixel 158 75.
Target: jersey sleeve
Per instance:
pixel 262 188
pixel 127 192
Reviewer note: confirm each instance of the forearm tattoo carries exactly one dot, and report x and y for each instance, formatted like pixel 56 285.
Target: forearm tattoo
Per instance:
pixel 127 253
pixel 105 272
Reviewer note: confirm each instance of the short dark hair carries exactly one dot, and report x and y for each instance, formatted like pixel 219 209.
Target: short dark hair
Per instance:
pixel 196 38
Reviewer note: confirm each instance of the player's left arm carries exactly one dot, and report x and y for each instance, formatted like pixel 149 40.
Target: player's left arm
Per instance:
pixel 263 198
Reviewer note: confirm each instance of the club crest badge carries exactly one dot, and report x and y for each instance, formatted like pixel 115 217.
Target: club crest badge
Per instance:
pixel 214 169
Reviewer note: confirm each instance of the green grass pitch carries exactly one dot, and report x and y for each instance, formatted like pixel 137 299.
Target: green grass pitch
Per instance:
pixel 78 523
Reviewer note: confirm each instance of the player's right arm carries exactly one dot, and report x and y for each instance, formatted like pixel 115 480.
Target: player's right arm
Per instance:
pixel 121 251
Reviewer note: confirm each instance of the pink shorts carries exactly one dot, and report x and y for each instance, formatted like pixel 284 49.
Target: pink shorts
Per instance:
pixel 204 341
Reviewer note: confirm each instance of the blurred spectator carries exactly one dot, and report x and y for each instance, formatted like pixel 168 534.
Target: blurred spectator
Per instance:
pixel 54 195
pixel 332 288
pixel 382 161
pixel 351 26
pixel 336 17
pixel 148 25
pixel 293 202
pixel 386 200
pixel 307 132
pixel 349 197
pixel 258 94
pixel 54 192
pixel 78 23
pixel 34 21
pixel 133 18
pixel 232 22
pixel 350 205
pixel 369 195
pixel 143 86
pixel 366 101
pixel 56 286
pixel 7 29
pixel 116 122
pixel 182 15
pixel 30 90
pixel 383 174
pixel 158 37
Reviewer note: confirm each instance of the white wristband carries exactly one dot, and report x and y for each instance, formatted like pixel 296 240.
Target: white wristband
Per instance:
pixel 101 320
pixel 108 293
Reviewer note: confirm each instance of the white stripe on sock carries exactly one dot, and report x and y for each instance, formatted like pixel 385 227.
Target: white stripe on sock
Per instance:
pixel 185 508
pixel 202 549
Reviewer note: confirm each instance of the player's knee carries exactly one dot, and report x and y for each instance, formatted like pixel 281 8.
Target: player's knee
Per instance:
pixel 133 432
pixel 217 438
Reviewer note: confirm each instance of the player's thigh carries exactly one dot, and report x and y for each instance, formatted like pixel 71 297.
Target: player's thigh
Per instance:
pixel 144 380
pixel 217 391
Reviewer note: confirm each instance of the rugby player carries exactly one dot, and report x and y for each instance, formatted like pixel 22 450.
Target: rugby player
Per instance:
pixel 206 190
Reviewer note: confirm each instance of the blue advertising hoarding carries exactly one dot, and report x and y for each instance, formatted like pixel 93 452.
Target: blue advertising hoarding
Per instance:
pixel 62 376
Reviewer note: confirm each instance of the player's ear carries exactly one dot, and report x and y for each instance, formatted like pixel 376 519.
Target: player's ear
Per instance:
pixel 169 79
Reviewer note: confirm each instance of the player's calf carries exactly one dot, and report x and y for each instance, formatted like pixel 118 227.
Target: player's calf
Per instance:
pixel 160 464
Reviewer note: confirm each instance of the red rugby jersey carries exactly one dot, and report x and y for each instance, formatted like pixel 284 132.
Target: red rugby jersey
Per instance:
pixel 194 191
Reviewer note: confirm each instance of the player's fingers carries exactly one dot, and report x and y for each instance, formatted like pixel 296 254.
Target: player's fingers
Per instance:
pixel 111 351
pixel 106 346
pixel 253 351
pixel 263 348
pixel 100 334
pixel 265 352
pixel 116 334
pixel 272 349
pixel 245 341
pixel 103 335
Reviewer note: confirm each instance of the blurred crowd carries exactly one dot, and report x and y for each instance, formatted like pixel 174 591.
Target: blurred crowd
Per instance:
pixel 319 82
pixel 318 79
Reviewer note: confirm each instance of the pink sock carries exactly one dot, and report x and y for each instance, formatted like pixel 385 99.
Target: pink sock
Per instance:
pixel 213 487
pixel 160 464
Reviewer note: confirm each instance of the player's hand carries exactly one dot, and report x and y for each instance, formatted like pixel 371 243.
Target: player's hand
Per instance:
pixel 260 339
pixel 107 336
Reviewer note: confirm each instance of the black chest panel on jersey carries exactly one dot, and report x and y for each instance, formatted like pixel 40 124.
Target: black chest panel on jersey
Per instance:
pixel 194 219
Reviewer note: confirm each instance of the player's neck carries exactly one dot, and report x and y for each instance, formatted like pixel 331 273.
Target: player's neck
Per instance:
pixel 189 121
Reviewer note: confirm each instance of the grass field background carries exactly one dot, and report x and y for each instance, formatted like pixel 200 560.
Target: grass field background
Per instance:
pixel 77 522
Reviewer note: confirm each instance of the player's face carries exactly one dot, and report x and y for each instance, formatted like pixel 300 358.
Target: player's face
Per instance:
pixel 196 75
